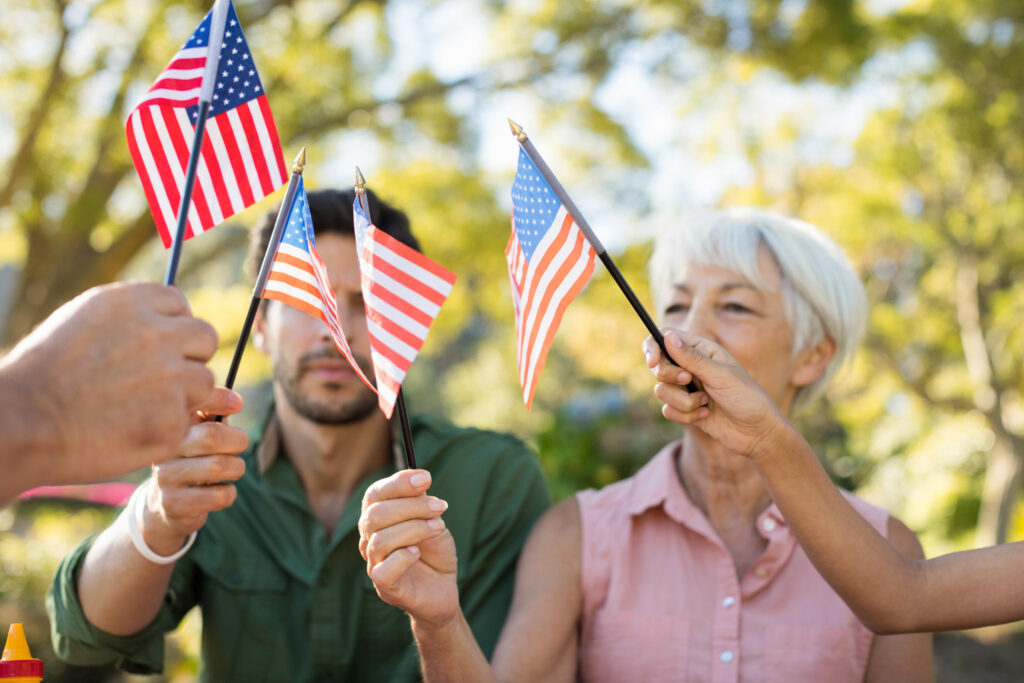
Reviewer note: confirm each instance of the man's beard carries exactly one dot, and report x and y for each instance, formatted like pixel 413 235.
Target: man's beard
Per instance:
pixel 321 411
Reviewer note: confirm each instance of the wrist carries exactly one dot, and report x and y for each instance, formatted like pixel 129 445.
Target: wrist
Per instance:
pixel 775 440
pixel 158 535
pixel 443 629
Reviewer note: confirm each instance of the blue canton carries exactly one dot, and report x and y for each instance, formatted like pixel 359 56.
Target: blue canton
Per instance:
pixel 298 232
pixel 534 205
pixel 237 80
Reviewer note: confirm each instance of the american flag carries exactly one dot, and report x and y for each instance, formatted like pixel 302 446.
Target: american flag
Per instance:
pixel 298 276
pixel 241 158
pixel 549 262
pixel 403 292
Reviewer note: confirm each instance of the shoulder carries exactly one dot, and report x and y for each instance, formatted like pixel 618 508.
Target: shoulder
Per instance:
pixel 447 444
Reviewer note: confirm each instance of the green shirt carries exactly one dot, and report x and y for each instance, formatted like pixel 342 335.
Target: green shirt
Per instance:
pixel 283 601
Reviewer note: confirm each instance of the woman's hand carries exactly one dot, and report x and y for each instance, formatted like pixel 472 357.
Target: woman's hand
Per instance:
pixel 409 553
pixel 732 408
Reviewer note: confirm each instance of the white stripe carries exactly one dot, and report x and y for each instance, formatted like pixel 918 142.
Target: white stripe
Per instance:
pixel 182 96
pixel 409 296
pixel 391 341
pixel 190 53
pixel 382 366
pixel 227 171
pixel 411 268
pixel 176 168
pixel 202 173
pixel 295 272
pixel 180 74
pixel 149 163
pixel 301 294
pixel 245 151
pixel 391 313
pixel 567 283
pixel 269 153
pixel 387 399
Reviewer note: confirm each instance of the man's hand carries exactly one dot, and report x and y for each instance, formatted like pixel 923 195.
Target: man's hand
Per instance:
pixel 105 385
pixel 185 490
pixel 410 554
pixel 732 408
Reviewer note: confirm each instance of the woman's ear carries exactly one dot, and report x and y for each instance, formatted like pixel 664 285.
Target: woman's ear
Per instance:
pixel 812 363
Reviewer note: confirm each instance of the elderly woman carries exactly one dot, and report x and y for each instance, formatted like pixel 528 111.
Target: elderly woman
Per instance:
pixel 684 571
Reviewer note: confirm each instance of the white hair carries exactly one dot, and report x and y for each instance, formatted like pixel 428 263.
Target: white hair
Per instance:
pixel 823 295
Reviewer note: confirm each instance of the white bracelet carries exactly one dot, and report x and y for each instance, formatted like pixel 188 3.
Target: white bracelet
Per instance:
pixel 133 511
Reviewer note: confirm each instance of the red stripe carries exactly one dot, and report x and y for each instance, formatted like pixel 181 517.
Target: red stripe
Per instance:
pixel 404 278
pixel 185 63
pixel 389 353
pixel 296 261
pixel 182 84
pixel 181 148
pixel 388 381
pixel 268 121
pixel 396 330
pixel 379 290
pixel 300 304
pixel 253 142
pixel 410 254
pixel 147 185
pixel 541 268
pixel 221 197
pixel 156 148
pixel 238 177
pixel 294 282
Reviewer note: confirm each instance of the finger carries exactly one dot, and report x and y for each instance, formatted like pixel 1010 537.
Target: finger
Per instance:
pixel 666 371
pixel 385 513
pixel 221 401
pixel 213 438
pixel 194 338
pixel 652 353
pixel 196 500
pixel 686 418
pixel 162 299
pixel 678 398
pixel 413 532
pixel 198 472
pixel 198 380
pixel 386 575
pixel 404 484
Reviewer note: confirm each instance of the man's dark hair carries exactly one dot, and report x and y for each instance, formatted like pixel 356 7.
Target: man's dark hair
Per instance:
pixel 331 211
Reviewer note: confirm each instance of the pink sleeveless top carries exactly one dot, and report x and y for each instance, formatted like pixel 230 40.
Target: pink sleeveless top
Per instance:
pixel 662 602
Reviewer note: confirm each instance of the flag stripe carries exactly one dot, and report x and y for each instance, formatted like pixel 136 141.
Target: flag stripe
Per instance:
pixel 220 152
pixel 268 143
pixel 406 275
pixel 406 259
pixel 142 157
pixel 209 212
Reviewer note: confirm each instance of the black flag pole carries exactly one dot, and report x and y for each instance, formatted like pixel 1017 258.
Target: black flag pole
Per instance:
pixel 403 414
pixel 602 253
pixel 217 22
pixel 268 261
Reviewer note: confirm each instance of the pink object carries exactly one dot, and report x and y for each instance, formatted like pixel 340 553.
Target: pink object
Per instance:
pixel 113 493
pixel 661 599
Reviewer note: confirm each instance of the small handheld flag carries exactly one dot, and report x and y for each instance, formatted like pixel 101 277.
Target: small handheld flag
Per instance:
pixel 562 273
pixel 403 291
pixel 233 160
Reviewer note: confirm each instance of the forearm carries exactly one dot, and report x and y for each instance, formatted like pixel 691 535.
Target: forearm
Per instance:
pixel 450 653
pixel 878 583
pixel 28 448
pixel 113 570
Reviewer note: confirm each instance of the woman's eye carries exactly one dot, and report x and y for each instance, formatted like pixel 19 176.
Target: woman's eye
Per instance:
pixel 733 307
pixel 677 308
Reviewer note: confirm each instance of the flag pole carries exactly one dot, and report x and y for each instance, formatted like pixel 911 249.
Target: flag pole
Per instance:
pixel 217 23
pixel 527 146
pixel 403 414
pixel 268 261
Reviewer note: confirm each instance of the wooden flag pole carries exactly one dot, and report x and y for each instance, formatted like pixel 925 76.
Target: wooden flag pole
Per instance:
pixel 217 22
pixel 403 414
pixel 268 261
pixel 602 253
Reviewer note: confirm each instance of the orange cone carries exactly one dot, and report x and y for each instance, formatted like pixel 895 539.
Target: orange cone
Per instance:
pixel 17 665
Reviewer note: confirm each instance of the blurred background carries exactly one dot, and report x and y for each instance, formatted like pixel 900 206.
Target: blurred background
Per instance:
pixel 894 125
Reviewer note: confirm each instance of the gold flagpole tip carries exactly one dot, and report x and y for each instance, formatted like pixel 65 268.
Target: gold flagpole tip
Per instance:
pixel 517 130
pixel 360 180
pixel 300 161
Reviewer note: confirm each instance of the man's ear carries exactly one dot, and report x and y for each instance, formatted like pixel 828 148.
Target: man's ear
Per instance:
pixel 259 328
pixel 812 362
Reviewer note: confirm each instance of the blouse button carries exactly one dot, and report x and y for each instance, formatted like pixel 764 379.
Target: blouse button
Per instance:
pixel 768 524
pixel 726 656
pixel 728 602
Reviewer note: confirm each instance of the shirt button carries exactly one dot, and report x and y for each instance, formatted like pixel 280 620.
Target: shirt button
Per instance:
pixel 769 524
pixel 726 656
pixel 728 602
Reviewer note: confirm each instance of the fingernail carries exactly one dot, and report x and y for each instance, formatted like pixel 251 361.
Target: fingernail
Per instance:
pixel 674 340
pixel 683 377
pixel 647 355
pixel 704 400
pixel 436 523
pixel 415 550
pixel 437 504
pixel 420 479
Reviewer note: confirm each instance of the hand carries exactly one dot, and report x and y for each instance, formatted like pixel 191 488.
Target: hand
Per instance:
pixel 106 383
pixel 410 554
pixel 732 408
pixel 187 489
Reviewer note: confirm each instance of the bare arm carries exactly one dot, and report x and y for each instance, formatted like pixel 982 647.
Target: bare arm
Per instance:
pixel 889 592
pixel 413 567
pixel 180 495
pixel 905 657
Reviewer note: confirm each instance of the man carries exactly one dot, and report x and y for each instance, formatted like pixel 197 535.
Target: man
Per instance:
pixel 278 575
pixel 123 363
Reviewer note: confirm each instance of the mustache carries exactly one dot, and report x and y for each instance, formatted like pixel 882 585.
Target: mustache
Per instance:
pixel 333 354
